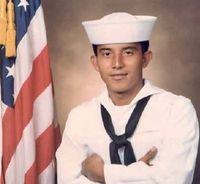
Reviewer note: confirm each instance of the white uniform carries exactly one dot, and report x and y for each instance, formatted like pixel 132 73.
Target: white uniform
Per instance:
pixel 168 122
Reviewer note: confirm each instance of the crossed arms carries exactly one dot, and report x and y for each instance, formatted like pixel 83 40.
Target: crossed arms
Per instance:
pixel 93 166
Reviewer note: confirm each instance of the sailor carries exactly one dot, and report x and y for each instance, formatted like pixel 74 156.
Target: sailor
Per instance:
pixel 133 132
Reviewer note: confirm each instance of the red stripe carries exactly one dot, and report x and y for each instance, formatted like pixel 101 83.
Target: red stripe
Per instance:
pixel 31 175
pixel 14 121
pixel 45 145
pixel 45 151
pixel 2 179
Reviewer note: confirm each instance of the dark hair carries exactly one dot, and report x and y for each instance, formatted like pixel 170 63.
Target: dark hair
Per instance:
pixel 144 46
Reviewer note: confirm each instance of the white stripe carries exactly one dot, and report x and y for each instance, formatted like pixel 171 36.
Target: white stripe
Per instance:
pixel 48 175
pixel 3 109
pixel 43 111
pixel 24 156
pixel 28 49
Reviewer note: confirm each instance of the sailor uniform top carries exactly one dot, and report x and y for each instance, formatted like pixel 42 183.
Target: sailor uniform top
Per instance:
pixel 168 122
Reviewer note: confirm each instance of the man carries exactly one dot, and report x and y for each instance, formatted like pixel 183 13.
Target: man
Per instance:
pixel 134 132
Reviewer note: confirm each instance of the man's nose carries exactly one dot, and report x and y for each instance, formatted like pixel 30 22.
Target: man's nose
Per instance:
pixel 117 61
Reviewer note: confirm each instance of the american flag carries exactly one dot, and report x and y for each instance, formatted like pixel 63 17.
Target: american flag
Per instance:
pixel 29 134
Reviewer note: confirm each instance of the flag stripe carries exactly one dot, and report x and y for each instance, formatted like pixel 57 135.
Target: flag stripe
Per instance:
pixel 36 40
pixel 31 175
pixel 42 146
pixel 48 175
pixel 3 109
pixel 38 81
pixel 42 111
pixel 23 152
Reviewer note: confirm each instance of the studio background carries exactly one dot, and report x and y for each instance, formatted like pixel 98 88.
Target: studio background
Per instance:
pixel 175 44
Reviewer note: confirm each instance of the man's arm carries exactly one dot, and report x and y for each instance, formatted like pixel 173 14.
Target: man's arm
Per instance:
pixel 93 166
pixel 69 156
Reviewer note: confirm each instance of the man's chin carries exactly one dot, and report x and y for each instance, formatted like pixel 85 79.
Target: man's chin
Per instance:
pixel 119 91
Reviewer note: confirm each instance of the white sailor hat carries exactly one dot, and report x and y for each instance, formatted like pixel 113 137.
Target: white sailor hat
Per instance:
pixel 119 27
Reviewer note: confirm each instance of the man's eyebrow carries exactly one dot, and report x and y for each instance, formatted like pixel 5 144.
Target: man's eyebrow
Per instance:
pixel 104 49
pixel 130 47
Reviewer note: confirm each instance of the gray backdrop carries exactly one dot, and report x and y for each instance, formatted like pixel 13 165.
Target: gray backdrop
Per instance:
pixel 175 43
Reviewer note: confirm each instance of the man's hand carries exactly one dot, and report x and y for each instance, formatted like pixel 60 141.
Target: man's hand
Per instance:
pixel 149 156
pixel 93 168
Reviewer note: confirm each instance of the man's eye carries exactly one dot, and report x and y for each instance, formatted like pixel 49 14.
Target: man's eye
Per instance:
pixel 106 54
pixel 128 52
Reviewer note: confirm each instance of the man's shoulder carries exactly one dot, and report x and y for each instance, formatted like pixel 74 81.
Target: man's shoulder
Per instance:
pixel 173 100
pixel 86 111
pixel 84 116
pixel 164 95
pixel 174 96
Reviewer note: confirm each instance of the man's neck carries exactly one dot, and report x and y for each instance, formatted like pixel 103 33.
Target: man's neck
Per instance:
pixel 125 98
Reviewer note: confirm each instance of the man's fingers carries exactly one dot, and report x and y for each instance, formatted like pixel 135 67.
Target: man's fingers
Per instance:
pixel 83 168
pixel 149 155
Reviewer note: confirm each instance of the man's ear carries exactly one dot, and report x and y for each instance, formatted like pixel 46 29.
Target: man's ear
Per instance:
pixel 93 60
pixel 147 57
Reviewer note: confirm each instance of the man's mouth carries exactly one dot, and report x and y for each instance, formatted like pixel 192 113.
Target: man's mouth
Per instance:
pixel 118 76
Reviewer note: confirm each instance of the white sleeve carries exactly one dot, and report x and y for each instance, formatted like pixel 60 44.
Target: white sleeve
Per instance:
pixel 69 157
pixel 178 155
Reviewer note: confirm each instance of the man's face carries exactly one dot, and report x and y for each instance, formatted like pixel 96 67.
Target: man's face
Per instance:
pixel 121 65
